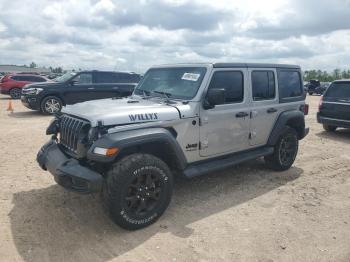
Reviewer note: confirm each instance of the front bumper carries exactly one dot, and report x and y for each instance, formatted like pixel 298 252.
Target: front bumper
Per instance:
pixel 333 121
pixel 30 102
pixel 68 172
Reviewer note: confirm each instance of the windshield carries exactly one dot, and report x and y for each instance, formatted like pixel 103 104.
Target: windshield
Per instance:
pixel 64 78
pixel 339 90
pixel 177 82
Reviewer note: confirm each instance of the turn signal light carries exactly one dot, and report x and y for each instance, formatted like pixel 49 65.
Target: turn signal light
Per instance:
pixel 112 151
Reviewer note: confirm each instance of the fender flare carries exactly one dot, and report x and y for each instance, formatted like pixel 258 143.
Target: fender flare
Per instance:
pixel 134 138
pixel 289 119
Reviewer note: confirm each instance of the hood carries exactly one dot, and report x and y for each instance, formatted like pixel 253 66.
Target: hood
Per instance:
pixel 123 111
pixel 44 85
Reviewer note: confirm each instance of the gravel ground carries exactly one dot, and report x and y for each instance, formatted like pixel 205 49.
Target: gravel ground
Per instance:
pixel 247 213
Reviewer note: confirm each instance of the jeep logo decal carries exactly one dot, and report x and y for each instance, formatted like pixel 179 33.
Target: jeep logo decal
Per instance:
pixel 143 117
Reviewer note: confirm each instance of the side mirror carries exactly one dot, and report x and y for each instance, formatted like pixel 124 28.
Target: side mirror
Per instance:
pixel 73 82
pixel 214 97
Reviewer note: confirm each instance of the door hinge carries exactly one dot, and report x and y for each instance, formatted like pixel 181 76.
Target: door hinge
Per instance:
pixel 250 136
pixel 199 122
pixel 199 145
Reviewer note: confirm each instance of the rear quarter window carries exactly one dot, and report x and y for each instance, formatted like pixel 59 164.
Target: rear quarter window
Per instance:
pixel 290 85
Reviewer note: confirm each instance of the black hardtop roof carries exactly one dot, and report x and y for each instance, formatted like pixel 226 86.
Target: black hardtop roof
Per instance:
pixel 255 65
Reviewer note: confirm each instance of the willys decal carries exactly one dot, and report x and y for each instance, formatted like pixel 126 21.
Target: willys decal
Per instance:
pixel 143 117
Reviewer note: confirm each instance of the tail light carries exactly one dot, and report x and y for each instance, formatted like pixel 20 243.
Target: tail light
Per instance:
pixel 305 109
pixel 4 79
pixel 320 103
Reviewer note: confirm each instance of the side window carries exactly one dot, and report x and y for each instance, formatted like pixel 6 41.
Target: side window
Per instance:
pixel 16 78
pixel 83 78
pixel 263 85
pixel 104 77
pixel 39 79
pixel 232 82
pixel 21 78
pixel 34 79
pixel 289 84
pixel 129 78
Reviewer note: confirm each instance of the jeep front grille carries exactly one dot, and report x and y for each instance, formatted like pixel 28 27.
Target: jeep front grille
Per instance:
pixel 72 130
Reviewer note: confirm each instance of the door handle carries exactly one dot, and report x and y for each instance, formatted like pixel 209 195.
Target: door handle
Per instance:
pixel 91 88
pixel 242 114
pixel 115 88
pixel 271 110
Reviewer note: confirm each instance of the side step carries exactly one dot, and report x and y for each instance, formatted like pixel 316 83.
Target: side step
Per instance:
pixel 217 164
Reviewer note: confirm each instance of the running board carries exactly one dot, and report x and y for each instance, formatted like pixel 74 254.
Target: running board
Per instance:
pixel 209 166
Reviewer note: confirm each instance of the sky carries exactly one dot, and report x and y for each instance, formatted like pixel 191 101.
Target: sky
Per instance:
pixel 134 35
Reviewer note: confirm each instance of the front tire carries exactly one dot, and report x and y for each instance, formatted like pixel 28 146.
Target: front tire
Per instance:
pixel 51 105
pixel 285 151
pixel 329 128
pixel 138 190
pixel 15 93
pixel 311 93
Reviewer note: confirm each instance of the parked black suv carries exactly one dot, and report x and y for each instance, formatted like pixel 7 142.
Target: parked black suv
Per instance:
pixel 78 87
pixel 334 109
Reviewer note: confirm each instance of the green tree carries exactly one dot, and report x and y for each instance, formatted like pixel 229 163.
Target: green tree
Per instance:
pixel 33 65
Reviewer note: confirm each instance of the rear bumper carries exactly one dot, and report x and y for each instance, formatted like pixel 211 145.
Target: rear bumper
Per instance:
pixel 30 102
pixel 67 171
pixel 4 91
pixel 333 121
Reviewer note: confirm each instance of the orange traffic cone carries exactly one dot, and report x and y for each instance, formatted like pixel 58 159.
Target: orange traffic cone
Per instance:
pixel 10 107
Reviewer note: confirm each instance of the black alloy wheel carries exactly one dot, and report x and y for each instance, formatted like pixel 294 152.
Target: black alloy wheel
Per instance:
pixel 143 194
pixel 15 93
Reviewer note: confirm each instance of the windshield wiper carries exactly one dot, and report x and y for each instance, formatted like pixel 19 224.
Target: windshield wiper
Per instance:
pixel 162 93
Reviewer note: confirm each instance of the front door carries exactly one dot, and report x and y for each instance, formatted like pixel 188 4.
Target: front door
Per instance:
pixel 225 128
pixel 79 89
pixel 265 106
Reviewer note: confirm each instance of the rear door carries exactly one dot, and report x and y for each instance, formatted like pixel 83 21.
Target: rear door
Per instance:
pixel 336 101
pixel 265 109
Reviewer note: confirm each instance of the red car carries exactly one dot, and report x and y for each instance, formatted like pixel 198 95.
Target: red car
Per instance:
pixel 12 84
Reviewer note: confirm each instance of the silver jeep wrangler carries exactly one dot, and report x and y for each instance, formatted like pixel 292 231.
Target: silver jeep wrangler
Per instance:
pixel 183 119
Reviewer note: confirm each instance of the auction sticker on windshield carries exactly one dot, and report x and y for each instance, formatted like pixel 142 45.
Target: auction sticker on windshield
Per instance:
pixel 190 76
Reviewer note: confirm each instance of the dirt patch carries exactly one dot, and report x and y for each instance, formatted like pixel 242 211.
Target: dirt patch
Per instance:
pixel 247 213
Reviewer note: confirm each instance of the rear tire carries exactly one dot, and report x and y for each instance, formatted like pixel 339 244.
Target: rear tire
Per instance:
pixel 285 151
pixel 138 190
pixel 51 105
pixel 329 128
pixel 15 93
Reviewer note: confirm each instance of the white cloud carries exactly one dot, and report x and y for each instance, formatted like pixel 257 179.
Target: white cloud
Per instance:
pixel 131 35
